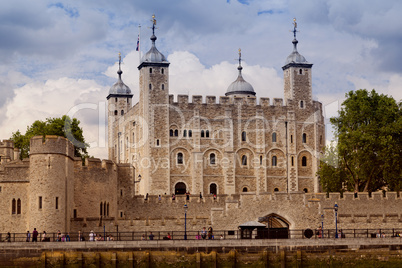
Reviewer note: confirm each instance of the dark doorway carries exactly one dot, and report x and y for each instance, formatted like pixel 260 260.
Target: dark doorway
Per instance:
pixel 212 188
pixel 180 188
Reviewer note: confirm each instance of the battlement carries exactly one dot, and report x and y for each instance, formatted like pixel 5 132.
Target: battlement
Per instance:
pixel 94 163
pixel 51 144
pixel 227 100
pixel 6 144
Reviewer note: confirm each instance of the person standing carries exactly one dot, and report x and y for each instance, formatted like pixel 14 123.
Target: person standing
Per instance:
pixel 35 235
pixel 28 236
pixel 44 239
pixel 151 236
pixel 91 236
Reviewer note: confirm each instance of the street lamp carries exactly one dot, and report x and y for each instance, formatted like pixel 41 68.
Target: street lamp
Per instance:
pixel 336 219
pixel 185 221
pixel 322 225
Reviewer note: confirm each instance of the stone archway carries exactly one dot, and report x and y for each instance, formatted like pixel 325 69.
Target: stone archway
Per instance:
pixel 274 220
pixel 180 188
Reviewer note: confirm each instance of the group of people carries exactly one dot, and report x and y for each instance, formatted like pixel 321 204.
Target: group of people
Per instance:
pixel 98 237
pixel 205 234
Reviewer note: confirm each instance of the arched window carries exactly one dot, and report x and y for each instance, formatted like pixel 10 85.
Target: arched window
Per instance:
pixel 202 133
pixel 176 133
pixel 19 206
pixel 301 104
pixel 190 133
pixel 185 133
pixel 163 86
pixel 300 71
pixel 101 208
pixel 122 112
pixel 305 190
pixel 260 159
pixel 243 136
pixel 291 138
pixel 150 70
pixel 115 112
pixel 244 190
pixel 212 188
pixel 180 188
pixel 304 137
pixel 293 162
pixel 274 137
pixel 212 159
pixel 207 134
pixel 150 86
pixel 304 161
pixel 115 99
pixel 171 133
pixel 180 158
pixel 13 206
pixel 104 208
pixel 276 190
pixel 133 139
pixel 244 160
pixel 274 161
pixel 162 71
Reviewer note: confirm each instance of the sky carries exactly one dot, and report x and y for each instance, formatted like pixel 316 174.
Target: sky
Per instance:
pixel 60 57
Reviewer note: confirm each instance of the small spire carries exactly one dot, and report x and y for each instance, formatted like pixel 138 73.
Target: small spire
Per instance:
pixel 153 37
pixel 239 67
pixel 294 35
pixel 119 72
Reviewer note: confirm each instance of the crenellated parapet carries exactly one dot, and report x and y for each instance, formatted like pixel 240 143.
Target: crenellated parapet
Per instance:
pixel 51 144
pixel 196 100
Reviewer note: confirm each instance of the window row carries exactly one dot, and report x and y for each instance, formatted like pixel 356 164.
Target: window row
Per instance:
pixel 104 209
pixel 175 133
pixel 212 160
pixel 16 206
pixel 206 134
pixel 162 86
pixel 151 70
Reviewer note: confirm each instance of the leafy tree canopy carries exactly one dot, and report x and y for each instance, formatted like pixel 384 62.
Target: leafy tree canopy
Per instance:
pixel 64 127
pixel 368 153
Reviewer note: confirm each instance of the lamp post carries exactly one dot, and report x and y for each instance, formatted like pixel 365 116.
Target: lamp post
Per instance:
pixel 185 221
pixel 139 180
pixel 336 219
pixel 322 225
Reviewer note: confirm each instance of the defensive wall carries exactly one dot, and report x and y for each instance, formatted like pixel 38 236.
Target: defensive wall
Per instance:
pixel 100 192
pixel 206 253
pixel 197 100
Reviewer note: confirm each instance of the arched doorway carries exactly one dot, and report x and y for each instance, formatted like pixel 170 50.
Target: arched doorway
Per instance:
pixel 180 188
pixel 277 226
pixel 213 189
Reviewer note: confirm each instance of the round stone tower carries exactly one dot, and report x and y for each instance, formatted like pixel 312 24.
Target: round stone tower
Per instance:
pixel 51 187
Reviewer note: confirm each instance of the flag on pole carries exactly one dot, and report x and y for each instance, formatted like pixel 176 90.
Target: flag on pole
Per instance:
pixel 138 43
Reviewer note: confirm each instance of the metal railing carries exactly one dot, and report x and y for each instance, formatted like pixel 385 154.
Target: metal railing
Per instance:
pixel 196 235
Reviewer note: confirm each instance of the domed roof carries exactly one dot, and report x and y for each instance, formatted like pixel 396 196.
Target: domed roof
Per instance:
pixel 119 87
pixel 295 56
pixel 240 86
pixel 153 55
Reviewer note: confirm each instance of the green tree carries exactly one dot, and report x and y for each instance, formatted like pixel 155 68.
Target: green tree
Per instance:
pixel 367 155
pixel 64 127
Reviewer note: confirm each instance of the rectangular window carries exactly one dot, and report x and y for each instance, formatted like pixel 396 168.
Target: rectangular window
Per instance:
pixel 0 189
pixel 75 213
pixel 40 202
pixel 57 203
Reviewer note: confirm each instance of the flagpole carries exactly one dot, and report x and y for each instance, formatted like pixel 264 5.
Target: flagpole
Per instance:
pixel 139 44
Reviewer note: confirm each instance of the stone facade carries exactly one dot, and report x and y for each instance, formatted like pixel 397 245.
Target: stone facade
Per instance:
pixel 101 193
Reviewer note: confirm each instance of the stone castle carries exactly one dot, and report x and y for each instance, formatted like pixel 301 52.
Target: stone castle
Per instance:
pixel 248 160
